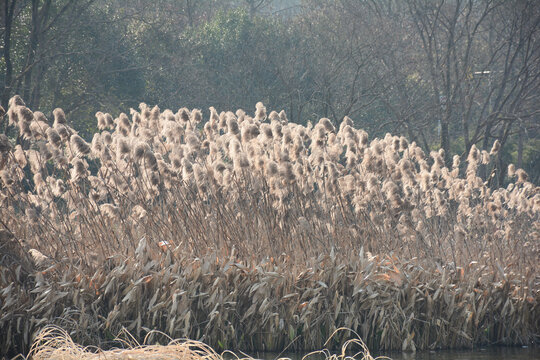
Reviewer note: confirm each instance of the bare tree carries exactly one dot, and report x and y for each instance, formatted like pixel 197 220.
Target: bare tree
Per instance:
pixel 8 14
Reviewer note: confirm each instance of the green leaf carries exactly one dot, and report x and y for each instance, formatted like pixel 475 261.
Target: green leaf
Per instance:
pixel 292 333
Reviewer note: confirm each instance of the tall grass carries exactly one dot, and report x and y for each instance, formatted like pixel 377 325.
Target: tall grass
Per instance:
pixel 168 193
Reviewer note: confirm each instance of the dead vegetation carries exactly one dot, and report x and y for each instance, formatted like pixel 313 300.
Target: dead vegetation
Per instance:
pixel 55 343
pixel 252 232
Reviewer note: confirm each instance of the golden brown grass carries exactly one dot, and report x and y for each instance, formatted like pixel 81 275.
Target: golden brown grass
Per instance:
pixel 253 232
pixel 55 343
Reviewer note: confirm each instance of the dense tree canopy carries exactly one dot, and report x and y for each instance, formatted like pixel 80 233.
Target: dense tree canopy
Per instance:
pixel 445 73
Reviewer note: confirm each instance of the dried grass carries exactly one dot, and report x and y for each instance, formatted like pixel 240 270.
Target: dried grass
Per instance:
pixel 55 343
pixel 394 305
pixel 253 232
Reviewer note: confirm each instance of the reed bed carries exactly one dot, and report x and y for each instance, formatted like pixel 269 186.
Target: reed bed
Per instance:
pixel 250 232
pixel 268 306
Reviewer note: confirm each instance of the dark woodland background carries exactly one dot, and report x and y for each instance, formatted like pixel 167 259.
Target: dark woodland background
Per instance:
pixel 445 73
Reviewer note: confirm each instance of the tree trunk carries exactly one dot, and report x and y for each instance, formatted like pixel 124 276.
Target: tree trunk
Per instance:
pixel 33 75
pixel 520 147
pixel 189 9
pixel 445 140
pixel 32 48
pixel 9 9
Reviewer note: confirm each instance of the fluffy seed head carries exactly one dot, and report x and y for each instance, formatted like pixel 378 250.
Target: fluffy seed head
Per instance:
pixel 283 117
pixel 25 114
pixel 193 141
pixel 16 101
pixel 363 138
pixel 13 116
pixel 123 147
pixel 495 148
pixel 79 145
pixel 44 151
pixel 286 171
pixel 474 155
pixel 107 138
pixel 511 170
pixel 260 113
pixel 219 166
pixel 63 131
pixel 327 124
pixel 455 162
pixel 232 126
pixel 150 160
pixel 403 144
pixel 53 137
pixel 24 129
pixel 277 130
pixel 19 156
pixel 347 121
pixel 101 122
pixel 274 116
pixel 485 157
pixel 124 126
pixel 59 117
pixel 109 121
pixel 183 115
pixel 79 169
pixel 140 149
pixel 196 115
pixel 267 131
pixel 521 176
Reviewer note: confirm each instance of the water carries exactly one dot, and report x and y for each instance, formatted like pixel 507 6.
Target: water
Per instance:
pixel 501 353
pixel 492 353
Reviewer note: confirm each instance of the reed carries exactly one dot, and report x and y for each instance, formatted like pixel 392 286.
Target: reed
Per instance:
pixel 253 232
